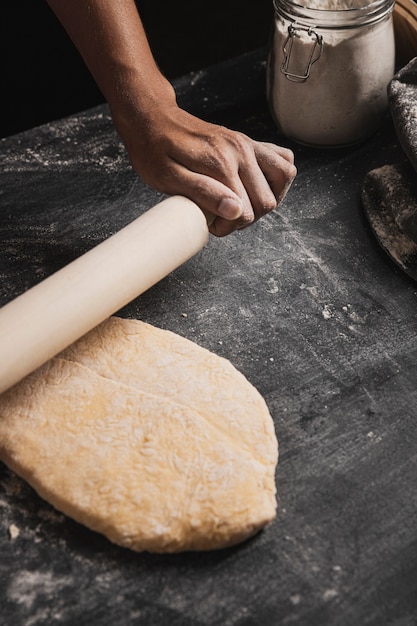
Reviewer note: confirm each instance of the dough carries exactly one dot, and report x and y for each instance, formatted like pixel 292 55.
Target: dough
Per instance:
pixel 145 437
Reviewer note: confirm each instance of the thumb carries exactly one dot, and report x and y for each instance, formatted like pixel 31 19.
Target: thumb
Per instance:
pixel 221 213
pixel 229 207
pixel 218 201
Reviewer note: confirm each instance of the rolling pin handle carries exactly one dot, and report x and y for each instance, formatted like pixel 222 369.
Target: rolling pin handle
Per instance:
pixel 50 316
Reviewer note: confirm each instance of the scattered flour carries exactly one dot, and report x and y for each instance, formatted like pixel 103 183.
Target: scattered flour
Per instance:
pixel 14 531
pixel 295 599
pixel 27 586
pixel 329 594
pixel 327 312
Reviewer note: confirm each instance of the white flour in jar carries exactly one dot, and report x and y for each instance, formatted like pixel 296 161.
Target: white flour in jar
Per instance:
pixel 344 98
pixel 334 5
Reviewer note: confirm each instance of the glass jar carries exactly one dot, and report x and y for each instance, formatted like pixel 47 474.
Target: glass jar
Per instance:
pixel 328 69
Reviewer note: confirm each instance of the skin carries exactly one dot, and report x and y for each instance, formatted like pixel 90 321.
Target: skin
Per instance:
pixel 231 176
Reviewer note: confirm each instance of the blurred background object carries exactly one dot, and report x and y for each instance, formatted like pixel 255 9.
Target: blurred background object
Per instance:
pixel 44 78
pixel 405 24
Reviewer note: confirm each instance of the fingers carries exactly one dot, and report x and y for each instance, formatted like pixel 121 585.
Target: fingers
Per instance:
pixel 239 180
pixel 213 197
pixel 226 173
pixel 277 165
pixel 261 179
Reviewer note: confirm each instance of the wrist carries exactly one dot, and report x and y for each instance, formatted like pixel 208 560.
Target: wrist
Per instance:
pixel 135 98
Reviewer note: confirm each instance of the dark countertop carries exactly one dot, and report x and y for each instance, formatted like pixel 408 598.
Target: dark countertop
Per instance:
pixel 310 309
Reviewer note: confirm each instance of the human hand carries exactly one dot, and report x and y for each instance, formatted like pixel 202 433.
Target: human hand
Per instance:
pixel 227 174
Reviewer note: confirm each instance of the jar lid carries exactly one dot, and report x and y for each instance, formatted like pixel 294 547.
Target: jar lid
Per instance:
pixel 367 14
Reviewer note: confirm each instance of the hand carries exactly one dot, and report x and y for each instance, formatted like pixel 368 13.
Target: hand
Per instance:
pixel 226 173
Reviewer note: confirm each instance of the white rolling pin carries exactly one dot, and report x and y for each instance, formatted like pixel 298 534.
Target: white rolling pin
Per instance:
pixel 53 314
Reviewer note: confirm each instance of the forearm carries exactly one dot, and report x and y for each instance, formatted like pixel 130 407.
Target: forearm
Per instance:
pixel 224 172
pixel 110 37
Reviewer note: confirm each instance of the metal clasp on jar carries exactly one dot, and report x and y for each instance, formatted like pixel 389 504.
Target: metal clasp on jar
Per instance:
pixel 315 52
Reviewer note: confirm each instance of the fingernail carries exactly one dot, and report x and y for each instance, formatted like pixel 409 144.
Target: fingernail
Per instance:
pixel 229 208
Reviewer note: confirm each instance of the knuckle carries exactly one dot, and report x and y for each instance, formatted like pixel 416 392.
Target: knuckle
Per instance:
pixel 288 155
pixel 245 220
pixel 227 153
pixel 283 177
pixel 265 205
pixel 291 171
pixel 268 205
pixel 215 160
pixel 234 144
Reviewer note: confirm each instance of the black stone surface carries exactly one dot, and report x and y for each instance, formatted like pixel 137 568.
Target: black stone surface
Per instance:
pixel 317 317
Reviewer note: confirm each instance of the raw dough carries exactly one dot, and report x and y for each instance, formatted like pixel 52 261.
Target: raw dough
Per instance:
pixel 145 437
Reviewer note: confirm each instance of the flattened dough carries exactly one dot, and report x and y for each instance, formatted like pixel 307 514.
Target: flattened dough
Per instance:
pixel 145 437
